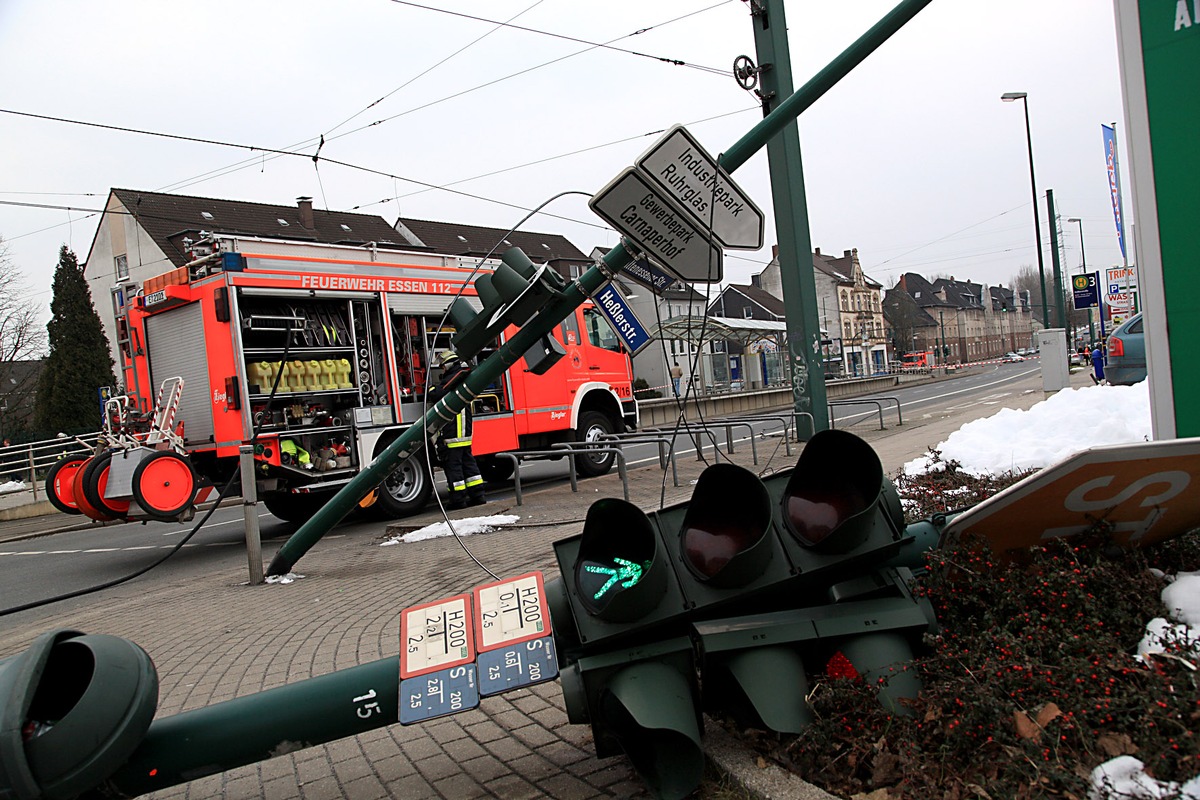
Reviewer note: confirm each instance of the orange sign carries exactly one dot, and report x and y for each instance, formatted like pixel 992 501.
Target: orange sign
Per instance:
pixel 1144 490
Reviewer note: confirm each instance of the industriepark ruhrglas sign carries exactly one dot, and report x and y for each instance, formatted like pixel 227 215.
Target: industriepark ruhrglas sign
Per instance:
pixel 680 208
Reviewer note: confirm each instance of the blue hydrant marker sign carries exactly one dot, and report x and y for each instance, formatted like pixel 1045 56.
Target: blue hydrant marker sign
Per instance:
pixel 620 316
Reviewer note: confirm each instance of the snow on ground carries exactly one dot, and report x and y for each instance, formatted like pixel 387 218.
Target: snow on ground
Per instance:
pixel 1065 423
pixel 462 527
pixel 12 486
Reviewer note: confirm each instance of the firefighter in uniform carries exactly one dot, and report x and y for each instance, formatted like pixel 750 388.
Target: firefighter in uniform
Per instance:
pixel 454 443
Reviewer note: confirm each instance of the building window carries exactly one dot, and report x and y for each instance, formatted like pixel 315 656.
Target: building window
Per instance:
pixel 748 312
pixel 122 266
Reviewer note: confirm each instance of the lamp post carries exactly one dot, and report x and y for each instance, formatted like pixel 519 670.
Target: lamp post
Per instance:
pixel 1009 97
pixel 1083 271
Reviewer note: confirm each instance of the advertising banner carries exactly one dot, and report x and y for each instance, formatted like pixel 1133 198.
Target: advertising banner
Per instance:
pixel 1114 182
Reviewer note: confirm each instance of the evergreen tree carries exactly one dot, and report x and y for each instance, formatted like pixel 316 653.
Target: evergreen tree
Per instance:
pixel 79 362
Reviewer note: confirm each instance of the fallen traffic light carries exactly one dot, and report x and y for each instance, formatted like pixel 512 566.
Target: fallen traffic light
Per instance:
pixel 510 295
pixel 642 702
pixel 73 708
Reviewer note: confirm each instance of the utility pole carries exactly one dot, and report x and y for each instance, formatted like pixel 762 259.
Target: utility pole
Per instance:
pixel 1060 305
pixel 791 217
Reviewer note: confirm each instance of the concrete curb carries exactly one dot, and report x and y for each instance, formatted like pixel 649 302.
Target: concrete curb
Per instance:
pixel 762 780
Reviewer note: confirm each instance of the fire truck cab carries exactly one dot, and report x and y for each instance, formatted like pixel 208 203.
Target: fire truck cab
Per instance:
pixel 320 355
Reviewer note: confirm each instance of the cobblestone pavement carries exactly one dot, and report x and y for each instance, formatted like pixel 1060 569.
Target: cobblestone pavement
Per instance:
pixel 216 638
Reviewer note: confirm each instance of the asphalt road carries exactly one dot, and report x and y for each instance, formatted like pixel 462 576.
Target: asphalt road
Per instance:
pixel 49 565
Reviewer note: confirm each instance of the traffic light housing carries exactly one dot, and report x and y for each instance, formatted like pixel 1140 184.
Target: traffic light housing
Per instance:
pixel 510 295
pixel 757 581
pixel 643 702
pixel 73 708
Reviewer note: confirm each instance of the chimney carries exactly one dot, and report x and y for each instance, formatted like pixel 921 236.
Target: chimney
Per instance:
pixel 774 251
pixel 845 254
pixel 306 215
pixel 816 251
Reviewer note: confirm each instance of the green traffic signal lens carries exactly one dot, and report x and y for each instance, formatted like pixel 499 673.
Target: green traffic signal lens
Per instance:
pixel 723 532
pixel 619 575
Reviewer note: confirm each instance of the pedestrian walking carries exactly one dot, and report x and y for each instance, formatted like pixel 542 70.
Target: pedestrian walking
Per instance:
pixel 676 374
pixel 453 440
pixel 1098 364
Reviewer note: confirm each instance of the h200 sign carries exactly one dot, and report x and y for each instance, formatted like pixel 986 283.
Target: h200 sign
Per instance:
pixel 507 623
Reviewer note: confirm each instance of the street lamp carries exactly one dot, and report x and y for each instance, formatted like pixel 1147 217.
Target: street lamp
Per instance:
pixel 1083 271
pixel 1009 97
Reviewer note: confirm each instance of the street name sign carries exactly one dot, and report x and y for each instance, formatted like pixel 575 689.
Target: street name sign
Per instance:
pixel 687 174
pixel 648 275
pixel 658 228
pixel 620 316
pixel 1144 491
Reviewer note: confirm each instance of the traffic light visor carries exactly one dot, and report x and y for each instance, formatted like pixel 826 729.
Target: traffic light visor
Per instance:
pixel 829 501
pixel 619 574
pixel 726 522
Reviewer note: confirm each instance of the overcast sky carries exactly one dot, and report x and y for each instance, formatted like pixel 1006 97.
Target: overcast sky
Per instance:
pixel 912 159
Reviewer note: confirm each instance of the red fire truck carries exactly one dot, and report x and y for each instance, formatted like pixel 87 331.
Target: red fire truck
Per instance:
pixel 356 333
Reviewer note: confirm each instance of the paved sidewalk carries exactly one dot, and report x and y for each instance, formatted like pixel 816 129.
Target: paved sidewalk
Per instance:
pixel 215 638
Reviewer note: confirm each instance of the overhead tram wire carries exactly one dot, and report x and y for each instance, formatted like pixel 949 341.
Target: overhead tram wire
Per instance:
pixel 337 162
pixel 593 45
pixel 313 140
pixel 549 159
pixel 431 68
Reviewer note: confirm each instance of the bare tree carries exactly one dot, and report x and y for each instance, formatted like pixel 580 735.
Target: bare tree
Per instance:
pixel 22 346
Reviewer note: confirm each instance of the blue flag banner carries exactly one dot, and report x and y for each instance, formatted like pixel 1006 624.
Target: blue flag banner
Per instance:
pixel 1114 182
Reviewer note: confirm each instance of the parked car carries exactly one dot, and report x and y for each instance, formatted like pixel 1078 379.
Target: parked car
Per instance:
pixel 1126 353
pixel 1012 357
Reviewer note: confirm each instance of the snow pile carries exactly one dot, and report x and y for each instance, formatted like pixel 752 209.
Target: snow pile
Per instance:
pixel 283 579
pixel 1065 423
pixel 1123 777
pixel 1182 598
pixel 12 486
pixel 461 527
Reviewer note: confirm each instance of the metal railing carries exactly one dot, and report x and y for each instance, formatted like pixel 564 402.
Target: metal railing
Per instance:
pixel 570 450
pixel 666 448
pixel 29 462
pixel 878 402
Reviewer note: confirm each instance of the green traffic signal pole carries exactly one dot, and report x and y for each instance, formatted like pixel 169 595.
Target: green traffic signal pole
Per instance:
pixel 1060 302
pixel 780 119
pixel 782 107
pixel 220 737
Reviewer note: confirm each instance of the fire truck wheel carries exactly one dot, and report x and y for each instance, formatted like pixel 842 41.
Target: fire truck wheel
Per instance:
pixel 592 426
pixel 81 498
pixel 95 481
pixel 404 492
pixel 495 470
pixel 60 481
pixel 164 485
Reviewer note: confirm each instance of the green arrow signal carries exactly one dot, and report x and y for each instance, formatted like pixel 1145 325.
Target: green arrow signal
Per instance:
pixel 628 574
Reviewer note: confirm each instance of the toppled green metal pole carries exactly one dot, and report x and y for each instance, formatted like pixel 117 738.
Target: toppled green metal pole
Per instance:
pixel 259 726
pixel 413 439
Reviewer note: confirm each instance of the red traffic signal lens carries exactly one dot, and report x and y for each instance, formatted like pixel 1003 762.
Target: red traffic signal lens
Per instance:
pixel 722 535
pixel 827 502
pixel 815 512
